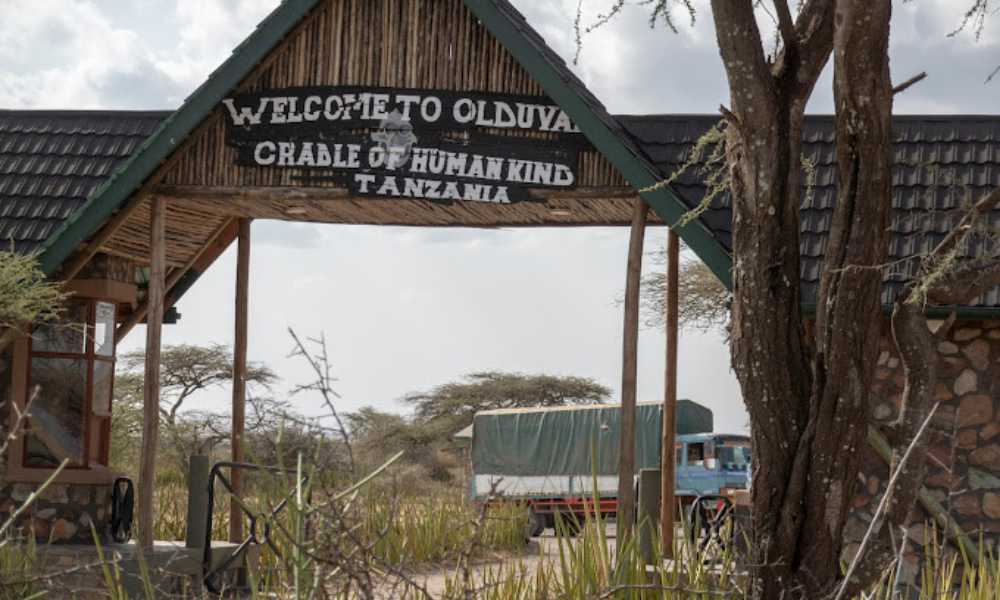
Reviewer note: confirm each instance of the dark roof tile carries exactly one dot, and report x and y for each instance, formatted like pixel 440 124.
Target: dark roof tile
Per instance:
pixel 942 164
pixel 51 161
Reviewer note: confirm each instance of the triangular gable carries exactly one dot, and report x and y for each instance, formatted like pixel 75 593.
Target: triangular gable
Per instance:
pixel 501 20
pixel 171 133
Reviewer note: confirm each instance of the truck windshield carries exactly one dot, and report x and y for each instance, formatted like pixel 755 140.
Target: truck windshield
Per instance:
pixel 734 458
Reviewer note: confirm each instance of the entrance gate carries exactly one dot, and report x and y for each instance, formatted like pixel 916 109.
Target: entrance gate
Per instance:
pixel 432 113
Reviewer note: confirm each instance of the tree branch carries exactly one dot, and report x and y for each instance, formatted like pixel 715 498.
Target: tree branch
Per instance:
pixel 911 81
pixel 814 29
pixel 742 53
pixel 944 284
pixel 789 36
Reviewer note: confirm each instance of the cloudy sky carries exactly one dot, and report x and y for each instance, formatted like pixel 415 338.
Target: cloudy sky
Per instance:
pixel 406 309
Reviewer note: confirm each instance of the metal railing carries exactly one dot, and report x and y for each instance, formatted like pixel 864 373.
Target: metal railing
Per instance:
pixel 261 525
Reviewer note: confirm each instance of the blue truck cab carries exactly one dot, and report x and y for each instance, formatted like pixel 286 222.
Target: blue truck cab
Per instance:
pixel 711 463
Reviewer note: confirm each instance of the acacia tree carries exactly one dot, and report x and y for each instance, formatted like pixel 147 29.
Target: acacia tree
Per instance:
pixel 703 302
pixel 453 404
pixel 806 383
pixel 185 371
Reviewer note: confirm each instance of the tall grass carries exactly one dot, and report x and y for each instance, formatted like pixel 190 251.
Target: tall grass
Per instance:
pixel 407 530
pixel 418 532
pixel 17 570
pixel 438 528
pixel 589 566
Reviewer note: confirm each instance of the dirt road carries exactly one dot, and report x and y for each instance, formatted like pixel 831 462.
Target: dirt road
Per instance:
pixel 541 550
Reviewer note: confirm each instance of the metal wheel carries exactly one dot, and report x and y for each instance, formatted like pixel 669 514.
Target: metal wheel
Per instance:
pixel 711 525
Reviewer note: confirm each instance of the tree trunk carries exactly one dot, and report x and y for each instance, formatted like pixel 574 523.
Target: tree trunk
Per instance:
pixel 807 388
pixel 849 314
pixel 806 391
pixel 769 355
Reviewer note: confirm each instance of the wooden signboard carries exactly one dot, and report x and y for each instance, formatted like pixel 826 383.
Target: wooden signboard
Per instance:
pixel 409 143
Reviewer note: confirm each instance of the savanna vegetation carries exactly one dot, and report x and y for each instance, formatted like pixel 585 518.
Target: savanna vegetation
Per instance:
pixel 354 524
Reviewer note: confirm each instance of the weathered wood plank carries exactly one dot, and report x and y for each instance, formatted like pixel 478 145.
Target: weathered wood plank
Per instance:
pixel 151 385
pixel 240 374
pixel 668 468
pixel 630 352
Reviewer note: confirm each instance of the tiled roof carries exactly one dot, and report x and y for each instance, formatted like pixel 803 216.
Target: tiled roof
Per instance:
pixel 940 164
pixel 51 162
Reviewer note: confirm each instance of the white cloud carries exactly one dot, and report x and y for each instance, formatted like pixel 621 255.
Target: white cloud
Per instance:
pixel 62 53
pixel 208 33
pixel 74 54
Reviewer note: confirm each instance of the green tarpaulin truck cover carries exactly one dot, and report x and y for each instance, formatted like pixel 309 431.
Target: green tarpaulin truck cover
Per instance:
pixel 545 451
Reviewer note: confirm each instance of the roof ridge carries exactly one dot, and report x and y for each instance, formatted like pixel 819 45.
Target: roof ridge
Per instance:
pixel 943 117
pixel 72 112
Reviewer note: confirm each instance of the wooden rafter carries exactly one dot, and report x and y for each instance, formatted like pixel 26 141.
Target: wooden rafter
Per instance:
pixel 177 274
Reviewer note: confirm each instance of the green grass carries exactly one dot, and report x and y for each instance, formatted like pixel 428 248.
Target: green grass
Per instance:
pixel 435 529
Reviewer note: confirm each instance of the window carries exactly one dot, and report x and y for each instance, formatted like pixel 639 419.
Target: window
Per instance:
pixel 69 385
pixel 734 458
pixel 696 454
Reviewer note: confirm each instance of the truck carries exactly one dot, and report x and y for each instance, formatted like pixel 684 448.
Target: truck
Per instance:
pixel 549 459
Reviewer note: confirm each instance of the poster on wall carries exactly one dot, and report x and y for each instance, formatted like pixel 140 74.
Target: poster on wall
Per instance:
pixel 409 143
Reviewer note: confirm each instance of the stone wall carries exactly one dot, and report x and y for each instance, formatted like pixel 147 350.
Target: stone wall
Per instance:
pixel 63 514
pixel 963 456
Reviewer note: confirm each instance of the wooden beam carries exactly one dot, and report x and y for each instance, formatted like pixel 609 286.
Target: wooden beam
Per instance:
pixel 175 276
pixel 595 206
pixel 668 467
pixel 230 193
pixel 240 375
pixel 630 352
pixel 151 384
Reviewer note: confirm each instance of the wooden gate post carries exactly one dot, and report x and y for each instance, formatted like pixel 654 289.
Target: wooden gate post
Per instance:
pixel 151 383
pixel 630 350
pixel 668 471
pixel 239 375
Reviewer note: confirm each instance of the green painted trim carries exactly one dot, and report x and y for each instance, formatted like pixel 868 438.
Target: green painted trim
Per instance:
pixel 635 170
pixel 114 192
pixel 965 313
pixel 184 284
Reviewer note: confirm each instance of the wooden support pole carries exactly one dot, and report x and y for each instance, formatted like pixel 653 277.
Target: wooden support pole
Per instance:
pixel 151 384
pixel 240 374
pixel 668 467
pixel 630 350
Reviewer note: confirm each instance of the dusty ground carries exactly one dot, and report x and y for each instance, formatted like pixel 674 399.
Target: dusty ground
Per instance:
pixel 540 549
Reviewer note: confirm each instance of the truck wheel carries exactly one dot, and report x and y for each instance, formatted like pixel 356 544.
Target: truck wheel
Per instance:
pixel 536 523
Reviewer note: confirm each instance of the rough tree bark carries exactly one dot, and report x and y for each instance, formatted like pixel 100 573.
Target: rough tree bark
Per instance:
pixel 769 349
pixel 848 314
